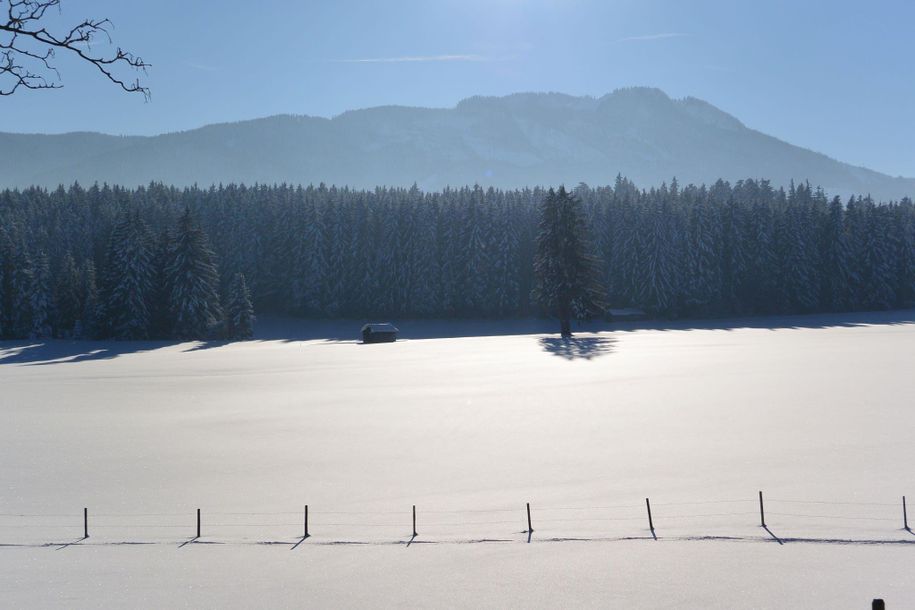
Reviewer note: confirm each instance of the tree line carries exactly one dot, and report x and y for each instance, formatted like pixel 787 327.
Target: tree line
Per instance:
pixel 162 262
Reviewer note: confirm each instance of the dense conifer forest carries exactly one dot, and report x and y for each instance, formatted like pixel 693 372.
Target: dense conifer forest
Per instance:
pixel 161 262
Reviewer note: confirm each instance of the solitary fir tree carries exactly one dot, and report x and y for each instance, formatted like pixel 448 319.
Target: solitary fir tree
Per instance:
pixel 193 282
pixel 240 312
pixel 566 275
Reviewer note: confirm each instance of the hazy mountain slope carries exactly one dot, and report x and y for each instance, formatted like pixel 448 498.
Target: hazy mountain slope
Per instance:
pixel 522 139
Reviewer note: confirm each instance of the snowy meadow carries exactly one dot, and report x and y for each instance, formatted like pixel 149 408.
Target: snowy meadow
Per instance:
pixel 469 422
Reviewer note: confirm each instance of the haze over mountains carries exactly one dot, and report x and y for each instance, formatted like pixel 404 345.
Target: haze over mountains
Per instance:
pixel 519 140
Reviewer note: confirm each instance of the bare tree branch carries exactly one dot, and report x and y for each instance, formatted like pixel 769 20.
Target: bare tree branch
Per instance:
pixel 27 49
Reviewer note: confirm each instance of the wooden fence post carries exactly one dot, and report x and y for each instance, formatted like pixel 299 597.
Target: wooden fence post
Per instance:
pixel 530 528
pixel 762 513
pixel 905 516
pixel 414 521
pixel 198 523
pixel 306 522
pixel 650 522
pixel 85 522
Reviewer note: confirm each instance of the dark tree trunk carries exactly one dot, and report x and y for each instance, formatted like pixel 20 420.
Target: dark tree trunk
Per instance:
pixel 565 320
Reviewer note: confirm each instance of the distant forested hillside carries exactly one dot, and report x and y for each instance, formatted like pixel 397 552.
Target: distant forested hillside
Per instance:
pixel 520 140
pixel 86 262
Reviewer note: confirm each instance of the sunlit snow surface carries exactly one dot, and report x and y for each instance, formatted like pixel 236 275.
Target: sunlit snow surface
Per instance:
pixel 469 426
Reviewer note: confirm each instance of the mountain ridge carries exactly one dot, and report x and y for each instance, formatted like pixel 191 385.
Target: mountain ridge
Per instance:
pixel 522 139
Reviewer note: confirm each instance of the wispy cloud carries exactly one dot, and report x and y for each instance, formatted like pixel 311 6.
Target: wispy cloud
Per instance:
pixel 414 58
pixel 647 37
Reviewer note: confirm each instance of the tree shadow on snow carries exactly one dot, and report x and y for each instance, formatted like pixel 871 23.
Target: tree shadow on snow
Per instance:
pixel 41 352
pixel 577 348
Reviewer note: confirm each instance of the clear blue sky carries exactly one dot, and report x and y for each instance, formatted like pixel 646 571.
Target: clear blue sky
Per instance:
pixel 835 76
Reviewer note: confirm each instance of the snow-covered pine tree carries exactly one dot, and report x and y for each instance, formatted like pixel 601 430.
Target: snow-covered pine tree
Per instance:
pixel 855 223
pixel 835 269
pixel 446 257
pixel 159 315
pixel 308 260
pixel 385 261
pixel 762 261
pixel 360 271
pixel 878 269
pixel 797 286
pixel 22 286
pixel 657 291
pixel 566 272
pixel 703 262
pixel 473 253
pixel 66 296
pixel 903 224
pixel 335 236
pixel 627 242
pixel 87 326
pixel 505 272
pixel 128 280
pixel 193 282
pixel 424 280
pixel 239 311
pixel 40 298
pixel 6 274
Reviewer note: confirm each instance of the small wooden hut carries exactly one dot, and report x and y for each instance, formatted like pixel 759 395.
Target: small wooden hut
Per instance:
pixel 379 333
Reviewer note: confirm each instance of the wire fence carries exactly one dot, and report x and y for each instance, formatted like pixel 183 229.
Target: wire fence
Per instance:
pixel 800 519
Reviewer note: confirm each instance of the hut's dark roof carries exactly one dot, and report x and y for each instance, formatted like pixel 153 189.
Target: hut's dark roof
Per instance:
pixel 382 327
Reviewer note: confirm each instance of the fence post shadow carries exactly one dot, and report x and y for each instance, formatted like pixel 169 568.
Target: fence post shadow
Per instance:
pixel 74 543
pixel 774 537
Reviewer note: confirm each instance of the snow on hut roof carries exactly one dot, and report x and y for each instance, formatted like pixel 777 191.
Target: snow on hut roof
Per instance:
pixel 382 327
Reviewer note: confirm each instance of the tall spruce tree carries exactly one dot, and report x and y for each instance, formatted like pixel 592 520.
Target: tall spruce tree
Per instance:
pixel 658 282
pixel 22 287
pixel 6 276
pixel 566 273
pixel 40 299
pixel 128 280
pixel 159 317
pixel 193 282
pixel 239 311
pixel 835 271
pixel 66 295
pixel 88 324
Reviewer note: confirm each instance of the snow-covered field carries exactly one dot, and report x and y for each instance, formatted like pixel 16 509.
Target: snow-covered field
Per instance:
pixel 815 411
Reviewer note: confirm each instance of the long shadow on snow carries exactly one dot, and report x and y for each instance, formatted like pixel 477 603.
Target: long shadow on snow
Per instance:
pixel 59 351
pixel 41 352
